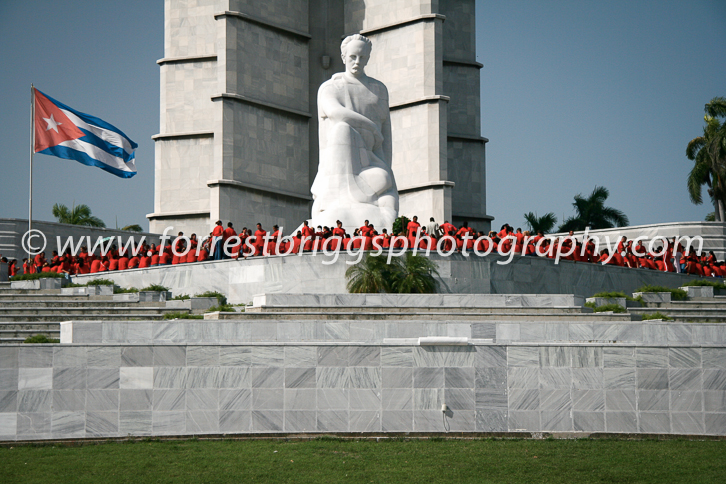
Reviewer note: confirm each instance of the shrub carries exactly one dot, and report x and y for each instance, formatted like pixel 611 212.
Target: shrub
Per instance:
pixel 414 274
pixel 616 308
pixel 706 282
pixel 399 225
pixel 155 288
pixel 222 308
pixel 676 294
pixel 656 315
pixel 40 338
pixel 36 276
pixel 100 282
pixel 181 297
pixel 121 290
pixel 180 315
pixel 371 275
pixel 221 298
pixel 610 295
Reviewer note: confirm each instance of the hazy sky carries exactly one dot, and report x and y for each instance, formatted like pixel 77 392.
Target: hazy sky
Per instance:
pixel 574 94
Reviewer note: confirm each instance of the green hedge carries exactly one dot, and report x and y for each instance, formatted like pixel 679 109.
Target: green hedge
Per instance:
pixel 676 294
pixel 36 276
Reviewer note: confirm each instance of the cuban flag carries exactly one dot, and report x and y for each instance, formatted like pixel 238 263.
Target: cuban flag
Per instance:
pixel 66 133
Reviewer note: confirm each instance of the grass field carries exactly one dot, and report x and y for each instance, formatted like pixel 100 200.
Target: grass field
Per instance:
pixel 387 461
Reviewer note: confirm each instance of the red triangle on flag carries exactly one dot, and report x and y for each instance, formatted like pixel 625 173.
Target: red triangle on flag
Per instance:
pixel 52 126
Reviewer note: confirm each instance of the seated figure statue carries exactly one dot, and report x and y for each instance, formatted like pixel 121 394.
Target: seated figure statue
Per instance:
pixel 354 181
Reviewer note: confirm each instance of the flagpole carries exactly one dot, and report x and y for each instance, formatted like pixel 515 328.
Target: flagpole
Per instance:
pixel 32 150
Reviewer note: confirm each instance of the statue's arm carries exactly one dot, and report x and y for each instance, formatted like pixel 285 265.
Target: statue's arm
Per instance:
pixel 387 141
pixel 329 106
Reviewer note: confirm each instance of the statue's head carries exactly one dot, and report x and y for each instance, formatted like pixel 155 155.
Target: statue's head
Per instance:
pixel 355 50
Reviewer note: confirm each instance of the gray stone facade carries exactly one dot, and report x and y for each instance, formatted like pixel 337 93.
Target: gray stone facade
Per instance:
pixel 52 392
pixel 238 127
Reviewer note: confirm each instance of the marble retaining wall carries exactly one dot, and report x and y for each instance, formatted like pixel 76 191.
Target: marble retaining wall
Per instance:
pixel 293 332
pixel 416 300
pixel 241 280
pixel 65 392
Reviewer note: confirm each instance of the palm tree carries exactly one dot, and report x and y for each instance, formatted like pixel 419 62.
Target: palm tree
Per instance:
pixel 706 168
pixel 133 228
pixel 543 224
pixel 414 274
pixel 78 215
pixel 592 212
pixel 371 275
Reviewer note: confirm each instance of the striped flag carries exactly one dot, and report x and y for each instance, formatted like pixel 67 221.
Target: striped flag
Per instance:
pixel 66 133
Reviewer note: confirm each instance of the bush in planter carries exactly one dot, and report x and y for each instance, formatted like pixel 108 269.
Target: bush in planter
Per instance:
pixel 155 288
pixel 121 290
pixel 181 297
pixel 221 298
pixel 616 308
pixel 222 308
pixel 36 276
pixel 656 315
pixel 676 294
pixel 40 338
pixel 180 315
pixel 706 282
pixel 100 282
pixel 614 294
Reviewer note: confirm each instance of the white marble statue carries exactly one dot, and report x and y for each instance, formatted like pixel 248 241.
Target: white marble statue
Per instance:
pixel 354 181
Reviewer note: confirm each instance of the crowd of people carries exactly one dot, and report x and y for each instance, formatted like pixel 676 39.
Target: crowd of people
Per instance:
pixel 226 243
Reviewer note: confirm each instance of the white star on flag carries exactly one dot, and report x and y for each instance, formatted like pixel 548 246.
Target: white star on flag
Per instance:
pixel 52 124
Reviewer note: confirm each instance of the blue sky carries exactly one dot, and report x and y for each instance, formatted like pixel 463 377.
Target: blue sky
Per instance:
pixel 574 94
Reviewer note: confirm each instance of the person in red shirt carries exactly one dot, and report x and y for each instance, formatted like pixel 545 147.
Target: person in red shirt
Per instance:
pixel 82 267
pixel 165 258
pixel 145 260
pixel 296 242
pixel 306 231
pixel 412 229
pixel 365 229
pixel 339 231
pixel 192 253
pixel 204 251
pixel 260 235
pixel 179 245
pixel 217 236
pixel 271 245
pixel 228 233
pixel 123 261
pixel 447 228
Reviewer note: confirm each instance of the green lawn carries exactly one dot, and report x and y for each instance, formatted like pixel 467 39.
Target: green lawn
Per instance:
pixel 323 461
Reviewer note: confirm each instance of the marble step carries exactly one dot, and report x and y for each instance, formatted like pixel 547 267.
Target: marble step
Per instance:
pixel 86 303
pixel 23 318
pixel 21 334
pixel 25 325
pixel 6 291
pixel 419 310
pixel 697 304
pixel 104 309
pixel 502 315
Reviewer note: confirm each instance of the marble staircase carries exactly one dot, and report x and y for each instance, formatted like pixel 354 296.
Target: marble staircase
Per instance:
pixel 27 312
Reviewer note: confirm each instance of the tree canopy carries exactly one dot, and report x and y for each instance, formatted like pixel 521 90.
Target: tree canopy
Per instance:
pixel 592 212
pixel 543 224
pixel 708 152
pixel 77 215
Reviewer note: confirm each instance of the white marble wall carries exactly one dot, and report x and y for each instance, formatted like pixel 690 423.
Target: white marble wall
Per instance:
pixel 85 391
pixel 240 280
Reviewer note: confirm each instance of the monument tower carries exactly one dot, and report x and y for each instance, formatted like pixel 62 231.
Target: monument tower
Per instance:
pixel 239 124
